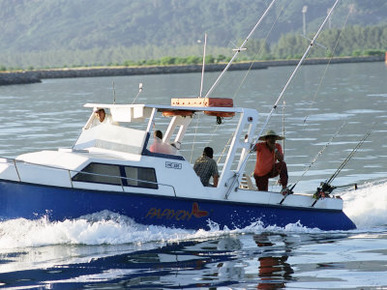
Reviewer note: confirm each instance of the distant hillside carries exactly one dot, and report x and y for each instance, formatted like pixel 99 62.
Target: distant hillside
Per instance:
pixel 68 32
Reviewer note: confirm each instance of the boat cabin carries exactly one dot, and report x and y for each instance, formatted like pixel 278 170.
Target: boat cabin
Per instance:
pixel 128 132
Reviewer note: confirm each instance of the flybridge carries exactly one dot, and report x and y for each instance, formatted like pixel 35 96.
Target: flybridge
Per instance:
pixel 204 103
pixel 220 107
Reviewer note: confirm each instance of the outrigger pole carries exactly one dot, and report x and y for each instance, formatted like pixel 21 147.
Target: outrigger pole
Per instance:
pixel 204 63
pixel 238 50
pixel 296 69
pixel 243 164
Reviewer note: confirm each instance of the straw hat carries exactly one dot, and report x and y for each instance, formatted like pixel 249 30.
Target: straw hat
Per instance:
pixel 271 133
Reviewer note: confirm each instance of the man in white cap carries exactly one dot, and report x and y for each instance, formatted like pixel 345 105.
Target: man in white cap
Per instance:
pixel 270 162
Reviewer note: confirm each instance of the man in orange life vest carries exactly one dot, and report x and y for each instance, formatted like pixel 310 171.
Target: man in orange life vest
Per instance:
pixel 268 153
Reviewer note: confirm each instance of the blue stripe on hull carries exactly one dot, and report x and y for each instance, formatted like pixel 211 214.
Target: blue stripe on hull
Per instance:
pixel 32 201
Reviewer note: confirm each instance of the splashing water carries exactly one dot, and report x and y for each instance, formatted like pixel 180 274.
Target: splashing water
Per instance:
pixel 107 228
pixel 367 206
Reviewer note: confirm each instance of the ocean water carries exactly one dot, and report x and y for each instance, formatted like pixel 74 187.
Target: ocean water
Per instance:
pixel 109 251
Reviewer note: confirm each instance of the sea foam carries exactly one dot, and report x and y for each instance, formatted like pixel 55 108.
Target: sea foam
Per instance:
pixel 367 206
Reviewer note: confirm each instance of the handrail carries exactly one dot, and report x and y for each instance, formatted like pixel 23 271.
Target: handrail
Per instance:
pixel 123 178
pixel 15 161
pixel 17 171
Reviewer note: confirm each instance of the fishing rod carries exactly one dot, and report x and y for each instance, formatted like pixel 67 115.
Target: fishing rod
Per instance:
pixel 241 48
pixel 346 160
pixel 318 155
pixel 243 165
pixel 326 187
pixel 290 191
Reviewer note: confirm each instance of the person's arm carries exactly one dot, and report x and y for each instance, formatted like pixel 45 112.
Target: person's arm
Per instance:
pixel 278 154
pixel 216 179
pixel 255 147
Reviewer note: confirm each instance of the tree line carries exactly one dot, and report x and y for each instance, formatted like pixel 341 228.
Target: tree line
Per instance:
pixel 351 41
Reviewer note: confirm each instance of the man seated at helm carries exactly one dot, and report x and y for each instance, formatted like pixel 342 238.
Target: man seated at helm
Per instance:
pixel 101 117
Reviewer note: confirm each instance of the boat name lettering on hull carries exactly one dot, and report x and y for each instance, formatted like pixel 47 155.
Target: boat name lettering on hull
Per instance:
pixel 173 165
pixel 179 215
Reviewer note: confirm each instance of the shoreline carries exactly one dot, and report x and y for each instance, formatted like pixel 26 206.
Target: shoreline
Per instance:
pixel 36 76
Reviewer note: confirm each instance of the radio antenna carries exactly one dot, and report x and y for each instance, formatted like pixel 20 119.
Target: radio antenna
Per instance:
pixel 114 93
pixel 139 92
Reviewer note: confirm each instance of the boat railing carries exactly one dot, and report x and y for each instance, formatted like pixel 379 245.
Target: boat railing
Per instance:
pixel 127 179
pixel 71 173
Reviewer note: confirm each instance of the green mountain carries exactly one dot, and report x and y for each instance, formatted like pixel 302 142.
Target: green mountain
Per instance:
pixel 78 32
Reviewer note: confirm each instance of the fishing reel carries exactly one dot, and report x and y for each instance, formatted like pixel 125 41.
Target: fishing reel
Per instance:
pixel 324 190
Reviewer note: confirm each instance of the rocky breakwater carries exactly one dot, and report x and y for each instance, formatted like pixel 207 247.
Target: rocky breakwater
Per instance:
pixel 38 75
pixel 127 71
pixel 16 78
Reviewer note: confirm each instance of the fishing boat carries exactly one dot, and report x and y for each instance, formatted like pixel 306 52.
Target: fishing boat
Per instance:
pixel 111 167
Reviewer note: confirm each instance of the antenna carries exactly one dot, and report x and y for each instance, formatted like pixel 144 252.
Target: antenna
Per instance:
pixel 139 92
pixel 204 63
pixel 114 93
pixel 304 10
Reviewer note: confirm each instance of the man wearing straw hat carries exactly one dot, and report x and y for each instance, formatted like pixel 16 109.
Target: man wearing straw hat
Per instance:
pixel 270 162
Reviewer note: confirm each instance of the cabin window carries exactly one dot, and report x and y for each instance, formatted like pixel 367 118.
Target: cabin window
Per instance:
pixel 100 173
pixel 118 175
pixel 141 177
